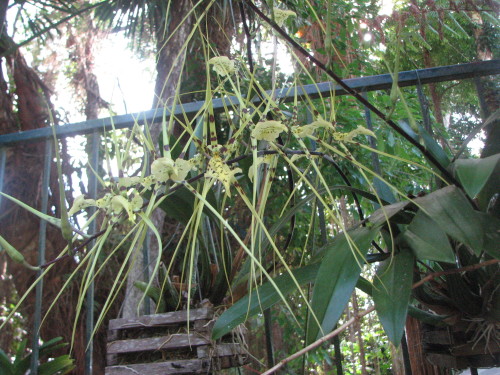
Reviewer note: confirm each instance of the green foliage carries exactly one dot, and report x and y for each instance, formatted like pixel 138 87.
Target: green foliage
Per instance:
pixel 391 293
pixel 21 362
pixel 268 196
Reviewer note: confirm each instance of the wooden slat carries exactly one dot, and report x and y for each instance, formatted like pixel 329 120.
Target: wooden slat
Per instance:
pixel 446 360
pixel 221 350
pixel 170 342
pixel 437 337
pixel 473 348
pixel 155 320
pixel 194 366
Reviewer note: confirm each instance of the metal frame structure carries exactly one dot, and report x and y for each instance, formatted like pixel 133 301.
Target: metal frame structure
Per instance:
pixel 94 127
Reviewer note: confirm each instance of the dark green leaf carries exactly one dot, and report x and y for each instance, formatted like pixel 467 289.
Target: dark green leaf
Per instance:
pixel 260 299
pixel 391 293
pixel 424 316
pixel 491 230
pixel 59 365
pixel 451 210
pixel 433 147
pixel 6 368
pixel 180 205
pixel 383 214
pixel 337 278
pixel 152 292
pixel 474 173
pixel 427 240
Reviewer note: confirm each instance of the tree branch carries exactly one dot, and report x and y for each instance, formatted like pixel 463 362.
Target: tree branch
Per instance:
pixel 447 175
pixel 457 270
pixel 318 342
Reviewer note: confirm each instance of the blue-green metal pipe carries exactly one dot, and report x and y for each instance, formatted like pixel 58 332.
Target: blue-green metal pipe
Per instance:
pixel 41 258
pixel 362 84
pixel 3 158
pixel 95 140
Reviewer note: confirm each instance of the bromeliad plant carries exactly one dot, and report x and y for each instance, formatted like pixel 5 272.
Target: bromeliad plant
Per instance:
pixel 240 182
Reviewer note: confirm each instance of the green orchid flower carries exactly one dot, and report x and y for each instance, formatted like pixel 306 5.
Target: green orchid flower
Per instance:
pixel 219 170
pixel 268 130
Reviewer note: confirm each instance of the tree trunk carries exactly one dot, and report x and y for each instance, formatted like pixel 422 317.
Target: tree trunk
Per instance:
pixel 169 66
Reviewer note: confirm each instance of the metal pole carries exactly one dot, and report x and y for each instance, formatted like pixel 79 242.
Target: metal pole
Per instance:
pixel 42 233
pixel 3 158
pixel 92 189
pixel 382 189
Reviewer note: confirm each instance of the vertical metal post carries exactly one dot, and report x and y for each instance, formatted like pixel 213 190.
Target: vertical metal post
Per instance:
pixel 424 108
pixel 42 233
pixel 482 100
pixel 145 253
pixel 145 262
pixel 3 158
pixel 382 189
pixel 95 140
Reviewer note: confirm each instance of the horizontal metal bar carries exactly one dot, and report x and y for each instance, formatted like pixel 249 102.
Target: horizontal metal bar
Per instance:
pixel 362 84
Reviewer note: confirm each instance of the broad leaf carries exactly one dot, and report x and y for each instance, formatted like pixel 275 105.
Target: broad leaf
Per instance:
pixel 474 173
pixel 427 240
pixel 451 210
pixel 391 293
pixel 434 148
pixel 180 205
pixel 491 230
pixel 260 299
pixel 383 214
pixel 336 279
pixel 424 316
pixel 59 365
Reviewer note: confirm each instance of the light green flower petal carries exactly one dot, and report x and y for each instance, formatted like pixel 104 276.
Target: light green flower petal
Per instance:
pixel 183 168
pixel 281 15
pixel 223 66
pixel 136 203
pixel 221 171
pixel 266 159
pixel 104 201
pixel 119 202
pixel 348 137
pixel 79 204
pixel 163 168
pixel 307 130
pixel 268 130
pixel 148 181
pixel 127 182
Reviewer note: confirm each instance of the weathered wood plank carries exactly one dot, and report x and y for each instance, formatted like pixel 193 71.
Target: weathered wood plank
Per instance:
pixel 437 337
pixel 155 320
pixel 221 350
pixel 446 360
pixel 170 342
pixel 474 348
pixel 194 366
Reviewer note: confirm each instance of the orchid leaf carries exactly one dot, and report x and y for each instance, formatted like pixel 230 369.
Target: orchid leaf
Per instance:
pixel 451 210
pixel 427 240
pixel 50 219
pixel 260 299
pixel 336 279
pixel 475 173
pixel 391 293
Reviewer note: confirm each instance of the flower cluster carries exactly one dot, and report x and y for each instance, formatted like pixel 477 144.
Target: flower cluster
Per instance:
pixel 219 170
pixel 268 130
pixel 223 66
pixel 280 16
pixel 124 196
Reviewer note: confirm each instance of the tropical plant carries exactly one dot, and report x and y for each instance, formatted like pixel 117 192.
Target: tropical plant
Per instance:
pixel 21 362
pixel 244 175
